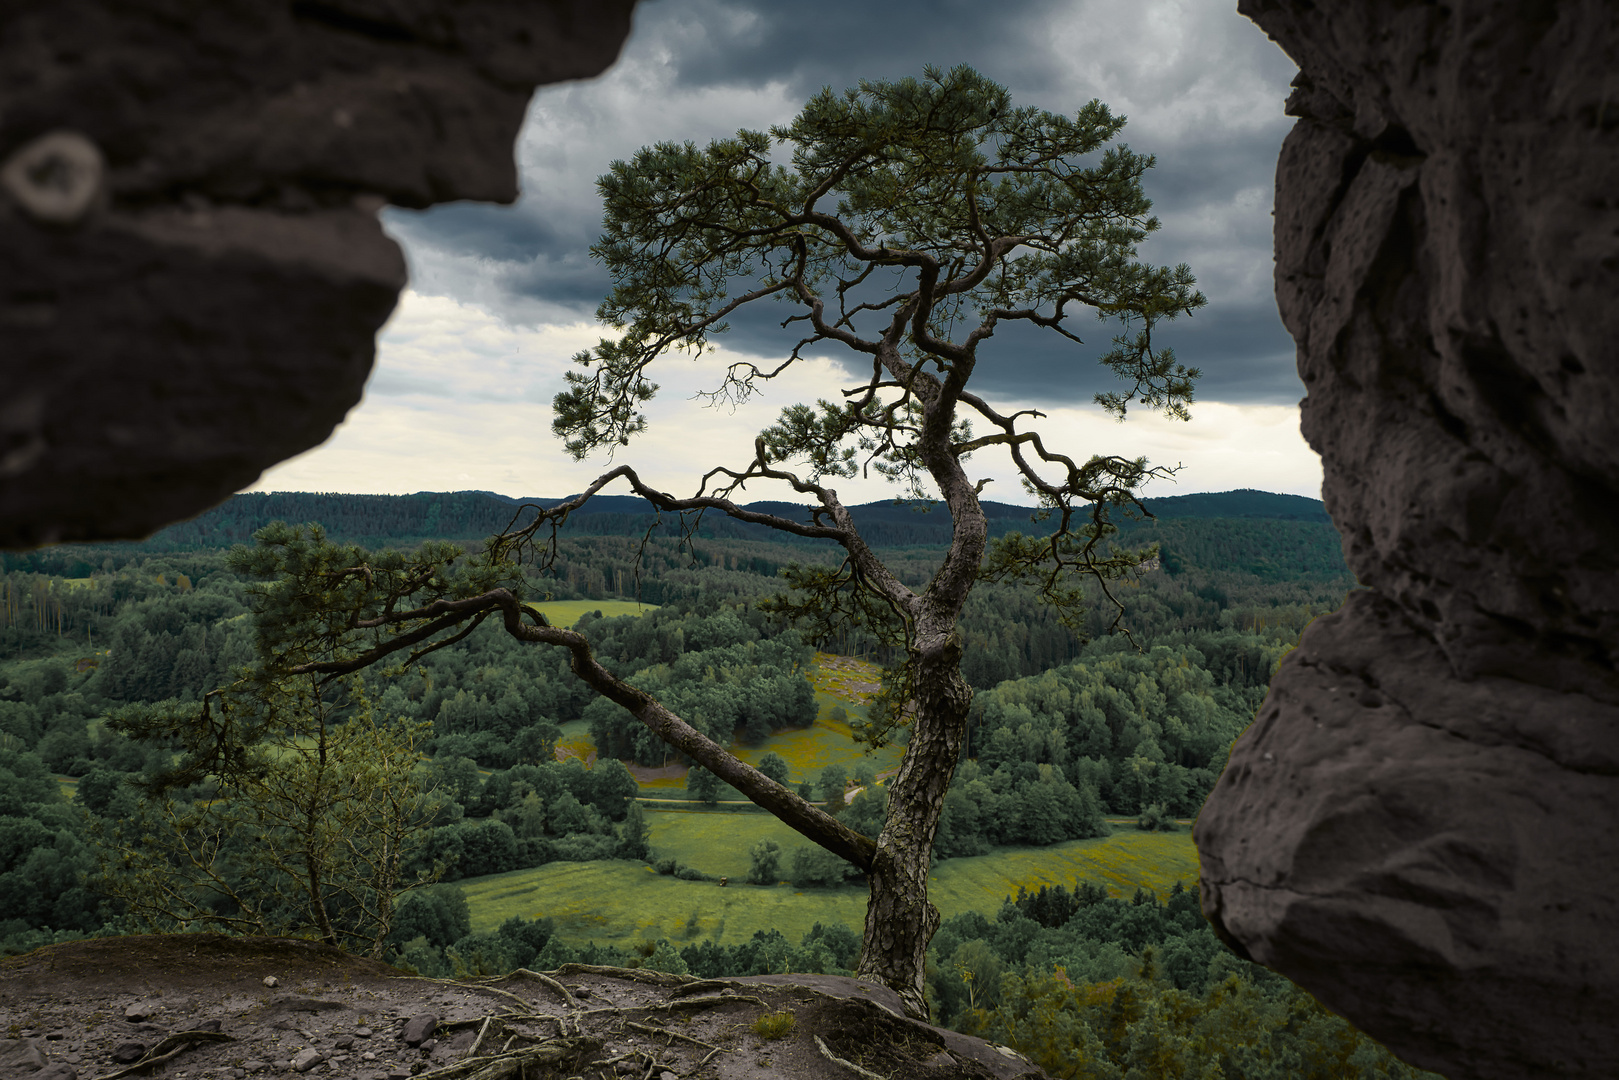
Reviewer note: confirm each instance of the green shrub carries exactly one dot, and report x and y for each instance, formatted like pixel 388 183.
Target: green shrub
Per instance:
pixel 1155 817
pixel 816 867
pixel 665 958
pixel 776 1025
pixel 766 856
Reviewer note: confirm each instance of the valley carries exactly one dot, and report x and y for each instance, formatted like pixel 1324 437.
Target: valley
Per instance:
pixel 625 903
pixel 546 827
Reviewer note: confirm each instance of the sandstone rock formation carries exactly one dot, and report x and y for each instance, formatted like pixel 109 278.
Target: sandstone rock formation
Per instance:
pixel 193 272
pixel 1422 827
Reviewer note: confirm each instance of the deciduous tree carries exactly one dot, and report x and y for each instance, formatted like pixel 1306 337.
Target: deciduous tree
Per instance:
pixel 766 860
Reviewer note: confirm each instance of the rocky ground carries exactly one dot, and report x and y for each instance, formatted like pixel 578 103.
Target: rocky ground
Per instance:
pixel 204 1007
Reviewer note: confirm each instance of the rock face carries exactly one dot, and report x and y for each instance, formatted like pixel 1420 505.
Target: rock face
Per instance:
pixel 1422 826
pixel 193 271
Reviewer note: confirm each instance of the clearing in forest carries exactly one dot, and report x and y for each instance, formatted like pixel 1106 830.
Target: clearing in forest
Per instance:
pixel 568 612
pixel 620 902
pixel 840 681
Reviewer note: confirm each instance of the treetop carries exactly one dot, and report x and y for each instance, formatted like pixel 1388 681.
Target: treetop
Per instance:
pixel 915 216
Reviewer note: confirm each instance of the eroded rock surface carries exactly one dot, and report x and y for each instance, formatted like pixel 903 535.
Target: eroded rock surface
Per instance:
pixel 1422 827
pixel 355 1018
pixel 193 272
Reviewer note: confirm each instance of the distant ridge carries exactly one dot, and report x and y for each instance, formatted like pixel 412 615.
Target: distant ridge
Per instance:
pixel 1242 503
pixel 466 516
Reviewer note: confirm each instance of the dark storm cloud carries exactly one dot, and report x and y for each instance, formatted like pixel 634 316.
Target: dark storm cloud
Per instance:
pixel 505 233
pixel 740 43
pixel 1202 87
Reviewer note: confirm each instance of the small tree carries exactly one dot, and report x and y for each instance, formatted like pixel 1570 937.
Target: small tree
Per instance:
pixel 536 744
pixel 633 832
pixel 832 785
pixel 915 220
pixel 1155 817
pixel 774 766
pixel 766 856
pixel 702 784
pixel 306 826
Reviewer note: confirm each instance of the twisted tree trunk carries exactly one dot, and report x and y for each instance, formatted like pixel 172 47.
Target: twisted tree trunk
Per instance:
pixel 900 919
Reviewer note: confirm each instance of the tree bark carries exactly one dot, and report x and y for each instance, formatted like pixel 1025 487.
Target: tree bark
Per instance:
pixel 900 919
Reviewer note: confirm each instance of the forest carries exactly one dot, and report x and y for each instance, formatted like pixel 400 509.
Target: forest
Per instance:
pixel 1068 730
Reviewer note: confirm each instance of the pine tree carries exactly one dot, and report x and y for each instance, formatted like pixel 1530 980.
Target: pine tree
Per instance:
pixel 917 217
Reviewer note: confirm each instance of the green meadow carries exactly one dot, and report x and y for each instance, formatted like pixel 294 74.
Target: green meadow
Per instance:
pixel 568 612
pixel 621 902
pixel 718 843
pixel 807 750
pixel 826 742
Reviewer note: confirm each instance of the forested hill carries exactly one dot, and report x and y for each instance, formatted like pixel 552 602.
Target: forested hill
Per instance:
pixel 1243 503
pixel 378 520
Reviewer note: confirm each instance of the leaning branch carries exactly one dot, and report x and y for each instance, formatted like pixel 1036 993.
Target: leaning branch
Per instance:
pixel 813 822
pixel 664 501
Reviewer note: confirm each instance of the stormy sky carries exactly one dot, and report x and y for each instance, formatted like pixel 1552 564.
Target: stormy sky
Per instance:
pixel 500 297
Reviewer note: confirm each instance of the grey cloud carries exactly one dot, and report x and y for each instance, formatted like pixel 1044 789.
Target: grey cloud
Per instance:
pixel 1205 98
pixel 503 233
pixel 835 43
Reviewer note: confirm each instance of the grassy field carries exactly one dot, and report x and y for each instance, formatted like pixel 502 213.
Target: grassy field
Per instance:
pixel 846 678
pixel 838 681
pixel 624 902
pixel 621 903
pixel 809 750
pixel 568 612
pixel 719 843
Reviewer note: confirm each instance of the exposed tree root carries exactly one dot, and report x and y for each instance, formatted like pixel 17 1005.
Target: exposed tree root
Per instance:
pixel 170 1047
pixel 650 1030
pixel 503 1066
pixel 830 1056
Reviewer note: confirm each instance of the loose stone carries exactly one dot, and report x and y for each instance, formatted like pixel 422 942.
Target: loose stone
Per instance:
pixel 127 1053
pixel 419 1028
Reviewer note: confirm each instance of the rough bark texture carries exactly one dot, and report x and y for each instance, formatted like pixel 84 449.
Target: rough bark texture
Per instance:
pixel 194 273
pixel 1420 827
pixel 900 919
